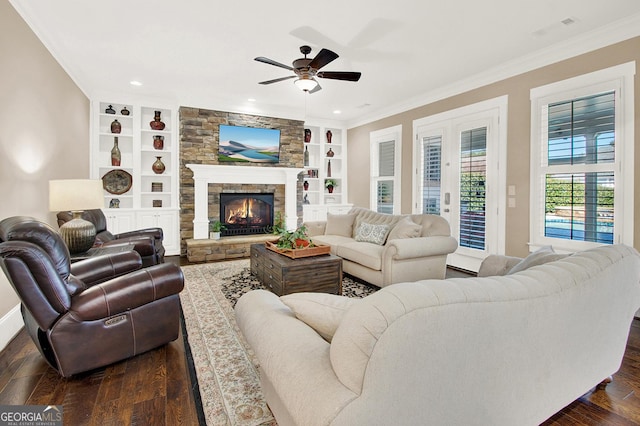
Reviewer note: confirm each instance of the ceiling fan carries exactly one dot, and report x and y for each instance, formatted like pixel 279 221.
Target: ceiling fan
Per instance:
pixel 306 69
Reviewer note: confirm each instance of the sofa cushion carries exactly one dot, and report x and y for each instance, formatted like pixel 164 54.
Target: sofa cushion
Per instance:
pixel 372 233
pixel 405 228
pixel 340 224
pixel 366 254
pixel 320 311
pixel 539 257
pixel 332 240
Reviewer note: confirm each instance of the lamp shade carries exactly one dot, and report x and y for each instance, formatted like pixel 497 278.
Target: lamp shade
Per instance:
pixel 75 194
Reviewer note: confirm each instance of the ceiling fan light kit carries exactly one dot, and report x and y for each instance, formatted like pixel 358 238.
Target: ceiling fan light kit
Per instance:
pixel 306 70
pixel 306 84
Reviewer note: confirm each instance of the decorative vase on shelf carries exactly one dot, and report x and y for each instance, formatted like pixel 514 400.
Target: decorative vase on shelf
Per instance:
pixel 307 135
pixel 124 111
pixel 330 189
pixel 329 169
pixel 330 153
pixel 158 142
pixel 306 157
pixel 158 166
pixel 116 127
pixel 305 185
pixel 329 136
pixel 115 153
pixel 157 123
pixel 110 110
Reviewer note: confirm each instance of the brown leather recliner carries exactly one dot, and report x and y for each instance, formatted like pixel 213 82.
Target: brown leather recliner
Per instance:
pixel 148 241
pixel 91 313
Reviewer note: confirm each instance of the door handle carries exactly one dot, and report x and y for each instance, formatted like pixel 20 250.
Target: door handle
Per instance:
pixel 447 199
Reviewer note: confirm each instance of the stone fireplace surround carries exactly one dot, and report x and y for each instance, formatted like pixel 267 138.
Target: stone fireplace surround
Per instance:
pixel 198 135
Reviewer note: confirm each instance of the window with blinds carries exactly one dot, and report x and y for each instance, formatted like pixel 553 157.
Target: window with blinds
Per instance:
pixel 385 176
pixel 473 176
pixel 579 174
pixel 431 173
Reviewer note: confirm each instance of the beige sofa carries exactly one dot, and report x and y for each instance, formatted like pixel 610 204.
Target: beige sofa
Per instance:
pixel 384 249
pixel 507 350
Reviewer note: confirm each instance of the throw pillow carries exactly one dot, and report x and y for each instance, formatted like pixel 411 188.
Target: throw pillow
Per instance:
pixel 405 228
pixel 539 257
pixel 370 233
pixel 340 224
pixel 321 311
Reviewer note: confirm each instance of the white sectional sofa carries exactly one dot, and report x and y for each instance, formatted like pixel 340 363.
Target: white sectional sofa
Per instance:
pixel 384 249
pixel 500 350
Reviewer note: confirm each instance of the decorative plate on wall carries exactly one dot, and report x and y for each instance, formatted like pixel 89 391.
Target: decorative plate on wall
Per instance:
pixel 117 181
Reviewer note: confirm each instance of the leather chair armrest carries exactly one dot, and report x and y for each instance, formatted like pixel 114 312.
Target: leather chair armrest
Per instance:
pixel 127 292
pixel 145 245
pixel 155 233
pixel 98 269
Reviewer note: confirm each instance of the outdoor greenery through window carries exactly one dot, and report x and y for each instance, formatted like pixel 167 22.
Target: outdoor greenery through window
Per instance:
pixel 473 177
pixel 580 183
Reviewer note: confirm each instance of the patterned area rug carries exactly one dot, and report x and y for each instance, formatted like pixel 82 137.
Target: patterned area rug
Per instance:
pixel 226 368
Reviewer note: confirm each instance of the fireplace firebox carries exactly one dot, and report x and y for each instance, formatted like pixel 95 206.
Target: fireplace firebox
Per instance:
pixel 246 213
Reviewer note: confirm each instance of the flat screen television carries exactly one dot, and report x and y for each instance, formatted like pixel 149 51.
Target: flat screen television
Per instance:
pixel 248 144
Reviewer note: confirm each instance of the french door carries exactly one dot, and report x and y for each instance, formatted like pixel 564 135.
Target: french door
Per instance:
pixel 457 177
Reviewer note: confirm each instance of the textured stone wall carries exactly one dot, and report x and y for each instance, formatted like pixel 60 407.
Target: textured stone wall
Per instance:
pixel 199 145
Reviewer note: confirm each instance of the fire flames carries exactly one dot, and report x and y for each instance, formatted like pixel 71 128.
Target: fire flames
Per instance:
pixel 243 214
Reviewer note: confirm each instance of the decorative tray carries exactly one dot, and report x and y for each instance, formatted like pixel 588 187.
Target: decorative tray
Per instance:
pixel 298 253
pixel 117 181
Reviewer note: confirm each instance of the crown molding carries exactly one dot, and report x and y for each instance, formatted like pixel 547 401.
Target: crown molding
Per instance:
pixel 598 38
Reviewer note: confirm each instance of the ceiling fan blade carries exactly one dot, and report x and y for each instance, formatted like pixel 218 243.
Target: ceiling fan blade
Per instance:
pixel 275 80
pixel 315 89
pixel 272 62
pixel 323 58
pixel 340 75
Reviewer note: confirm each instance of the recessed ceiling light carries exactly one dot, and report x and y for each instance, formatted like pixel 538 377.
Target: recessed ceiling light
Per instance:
pixel 251 100
pixel 337 111
pixel 135 83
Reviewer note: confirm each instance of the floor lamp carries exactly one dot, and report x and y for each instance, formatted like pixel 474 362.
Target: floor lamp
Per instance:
pixel 76 195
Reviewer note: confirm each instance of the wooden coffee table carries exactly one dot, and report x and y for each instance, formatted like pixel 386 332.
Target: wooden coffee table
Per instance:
pixel 283 275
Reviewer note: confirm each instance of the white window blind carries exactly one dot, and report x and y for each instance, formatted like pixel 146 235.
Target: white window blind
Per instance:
pixel 473 177
pixel 386 158
pixel 431 173
pixel 385 170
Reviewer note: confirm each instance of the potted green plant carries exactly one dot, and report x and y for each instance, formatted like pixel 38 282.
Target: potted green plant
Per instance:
pixel 215 226
pixel 294 239
pixel 330 184
pixel 278 224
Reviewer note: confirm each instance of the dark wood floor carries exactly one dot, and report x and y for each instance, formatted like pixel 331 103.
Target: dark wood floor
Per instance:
pixel 155 389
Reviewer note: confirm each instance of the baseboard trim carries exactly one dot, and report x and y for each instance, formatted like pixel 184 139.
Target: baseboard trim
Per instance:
pixel 10 325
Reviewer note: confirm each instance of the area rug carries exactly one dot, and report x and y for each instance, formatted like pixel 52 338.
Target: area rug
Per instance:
pixel 226 368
